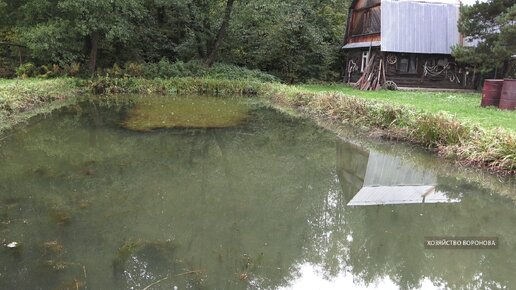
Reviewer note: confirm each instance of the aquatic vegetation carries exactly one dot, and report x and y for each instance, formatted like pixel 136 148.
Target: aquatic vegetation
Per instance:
pixel 88 171
pixel 84 204
pixel 141 264
pixel 45 172
pixel 61 216
pixel 53 246
pixel 74 284
pixel 200 112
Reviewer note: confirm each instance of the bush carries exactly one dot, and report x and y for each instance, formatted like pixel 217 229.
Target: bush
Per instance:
pixel 27 70
pixel 166 69
pixel 232 72
pixel 48 71
pixel 116 71
pixel 134 69
pixel 72 70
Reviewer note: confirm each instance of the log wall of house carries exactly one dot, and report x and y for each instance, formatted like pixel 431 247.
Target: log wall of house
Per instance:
pixel 416 70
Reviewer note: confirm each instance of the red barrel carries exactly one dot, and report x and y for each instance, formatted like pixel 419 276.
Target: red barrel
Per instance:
pixel 508 98
pixel 491 93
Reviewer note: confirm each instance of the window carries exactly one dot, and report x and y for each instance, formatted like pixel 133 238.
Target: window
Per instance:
pixel 365 60
pixel 407 64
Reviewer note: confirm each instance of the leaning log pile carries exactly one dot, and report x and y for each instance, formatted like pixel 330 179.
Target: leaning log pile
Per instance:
pixel 373 77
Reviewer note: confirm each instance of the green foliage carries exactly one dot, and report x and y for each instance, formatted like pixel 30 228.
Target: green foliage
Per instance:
pixel 463 106
pixel 232 72
pixel 294 40
pixel 441 131
pixel 491 24
pixel 438 129
pixel 47 43
pixel 57 31
pixel 451 136
pixel 20 100
pixel 114 20
pixel 165 69
pixel 27 70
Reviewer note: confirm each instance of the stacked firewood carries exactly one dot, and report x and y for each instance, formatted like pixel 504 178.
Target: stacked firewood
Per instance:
pixel 373 76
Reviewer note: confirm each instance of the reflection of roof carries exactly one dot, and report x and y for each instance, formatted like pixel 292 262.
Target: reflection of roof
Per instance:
pixel 387 170
pixel 390 180
pixel 378 195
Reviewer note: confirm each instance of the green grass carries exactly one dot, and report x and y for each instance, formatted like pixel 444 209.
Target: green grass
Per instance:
pixel 463 106
pixel 22 99
pixel 442 122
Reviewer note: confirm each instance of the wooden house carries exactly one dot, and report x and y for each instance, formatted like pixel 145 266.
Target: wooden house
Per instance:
pixel 405 43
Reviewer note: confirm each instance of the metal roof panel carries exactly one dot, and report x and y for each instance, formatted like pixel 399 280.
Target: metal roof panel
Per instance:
pixel 419 26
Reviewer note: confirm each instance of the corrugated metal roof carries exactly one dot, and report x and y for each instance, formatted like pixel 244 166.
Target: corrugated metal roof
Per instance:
pixel 419 26
pixel 455 2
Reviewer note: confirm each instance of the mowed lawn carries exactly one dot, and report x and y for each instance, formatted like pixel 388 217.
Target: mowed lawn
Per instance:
pixel 464 106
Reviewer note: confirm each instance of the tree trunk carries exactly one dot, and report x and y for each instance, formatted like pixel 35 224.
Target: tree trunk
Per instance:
pixel 212 53
pixel 505 69
pixel 196 29
pixel 94 41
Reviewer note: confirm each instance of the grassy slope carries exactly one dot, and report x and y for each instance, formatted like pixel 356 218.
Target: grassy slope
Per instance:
pixel 464 106
pixel 416 121
pixel 22 99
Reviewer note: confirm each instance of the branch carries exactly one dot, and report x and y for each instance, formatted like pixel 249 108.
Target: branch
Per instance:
pixel 11 44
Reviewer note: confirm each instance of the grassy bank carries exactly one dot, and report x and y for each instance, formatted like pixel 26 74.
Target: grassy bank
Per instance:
pixel 22 99
pixel 463 106
pixel 487 141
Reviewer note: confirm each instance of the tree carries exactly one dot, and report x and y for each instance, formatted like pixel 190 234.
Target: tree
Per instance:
pixel 492 26
pixel 102 20
pixel 295 40
pixel 221 34
pixel 59 31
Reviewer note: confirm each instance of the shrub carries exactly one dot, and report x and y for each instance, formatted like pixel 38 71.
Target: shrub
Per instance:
pixel 166 69
pixel 232 72
pixel 134 69
pixel 116 71
pixel 72 69
pixel 27 70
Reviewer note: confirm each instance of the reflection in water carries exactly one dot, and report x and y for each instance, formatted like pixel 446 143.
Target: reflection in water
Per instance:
pixel 259 206
pixel 312 277
pixel 385 179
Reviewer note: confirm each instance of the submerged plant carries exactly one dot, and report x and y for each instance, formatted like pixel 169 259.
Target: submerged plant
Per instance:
pixel 201 112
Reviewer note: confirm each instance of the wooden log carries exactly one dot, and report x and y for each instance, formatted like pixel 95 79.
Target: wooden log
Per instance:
pixel 384 79
pixel 377 85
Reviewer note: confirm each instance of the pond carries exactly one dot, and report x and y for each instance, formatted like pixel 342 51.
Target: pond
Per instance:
pixel 129 193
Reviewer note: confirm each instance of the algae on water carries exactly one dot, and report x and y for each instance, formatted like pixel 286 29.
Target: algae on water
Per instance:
pixel 200 112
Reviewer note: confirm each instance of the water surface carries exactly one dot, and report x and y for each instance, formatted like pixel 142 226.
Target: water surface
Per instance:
pixel 260 204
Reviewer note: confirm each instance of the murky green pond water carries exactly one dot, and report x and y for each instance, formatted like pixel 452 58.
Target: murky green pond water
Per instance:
pixel 87 202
